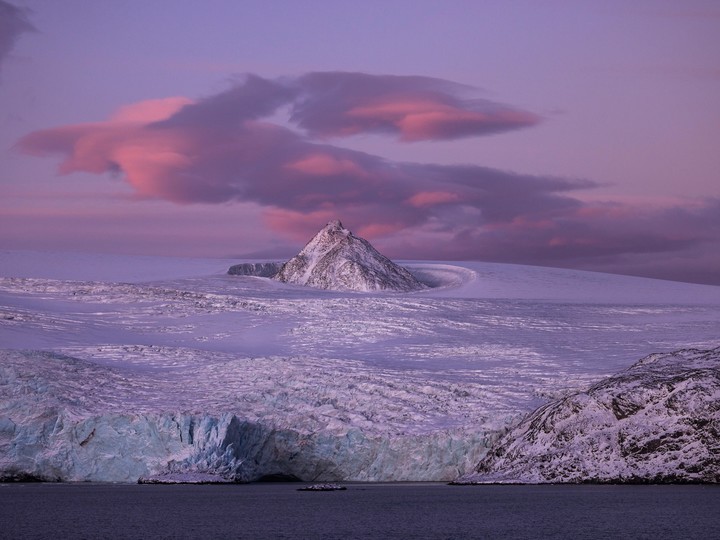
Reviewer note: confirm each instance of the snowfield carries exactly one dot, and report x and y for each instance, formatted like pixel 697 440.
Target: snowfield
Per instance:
pixel 114 368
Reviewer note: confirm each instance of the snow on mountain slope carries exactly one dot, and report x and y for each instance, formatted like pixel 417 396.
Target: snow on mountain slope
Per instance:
pixel 658 421
pixel 102 376
pixel 336 259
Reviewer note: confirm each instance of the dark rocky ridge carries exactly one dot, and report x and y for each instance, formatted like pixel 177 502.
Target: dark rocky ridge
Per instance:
pixel 260 269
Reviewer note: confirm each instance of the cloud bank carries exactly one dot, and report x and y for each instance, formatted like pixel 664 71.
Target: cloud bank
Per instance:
pixel 13 23
pixel 226 147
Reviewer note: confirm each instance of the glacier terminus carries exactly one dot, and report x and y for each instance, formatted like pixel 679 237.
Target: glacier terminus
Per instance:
pixel 336 366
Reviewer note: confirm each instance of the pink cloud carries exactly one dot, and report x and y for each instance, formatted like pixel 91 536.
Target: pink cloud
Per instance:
pixel 432 198
pixel 219 150
pixel 418 120
pixel 610 211
pixel 338 104
pixel 297 225
pixel 326 165
pixel 151 110
pixel 147 157
pixel 564 241
pixel 379 230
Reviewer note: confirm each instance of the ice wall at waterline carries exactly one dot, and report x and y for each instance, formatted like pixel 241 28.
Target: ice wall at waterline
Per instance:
pixel 124 448
pixel 56 424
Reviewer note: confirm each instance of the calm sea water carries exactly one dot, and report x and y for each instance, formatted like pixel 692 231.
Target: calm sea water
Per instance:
pixel 362 511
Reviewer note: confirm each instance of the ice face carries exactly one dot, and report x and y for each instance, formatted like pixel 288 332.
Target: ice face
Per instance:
pixel 102 378
pixel 71 419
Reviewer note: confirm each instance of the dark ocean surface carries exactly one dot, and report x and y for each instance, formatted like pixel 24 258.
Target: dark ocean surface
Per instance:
pixel 362 511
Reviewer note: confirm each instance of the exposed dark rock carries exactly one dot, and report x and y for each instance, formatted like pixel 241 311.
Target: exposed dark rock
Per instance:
pixel 278 477
pixel 261 269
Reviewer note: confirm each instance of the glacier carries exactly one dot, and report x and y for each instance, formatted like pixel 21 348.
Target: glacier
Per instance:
pixel 116 368
pixel 63 418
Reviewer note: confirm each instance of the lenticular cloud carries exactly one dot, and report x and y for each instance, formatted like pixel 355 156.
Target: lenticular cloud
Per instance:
pixel 224 147
pixel 231 147
pixel 410 108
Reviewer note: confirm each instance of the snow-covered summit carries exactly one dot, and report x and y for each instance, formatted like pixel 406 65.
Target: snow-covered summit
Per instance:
pixel 338 260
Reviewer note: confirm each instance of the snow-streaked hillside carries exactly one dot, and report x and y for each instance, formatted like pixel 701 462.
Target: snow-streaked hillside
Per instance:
pixel 658 421
pixel 143 365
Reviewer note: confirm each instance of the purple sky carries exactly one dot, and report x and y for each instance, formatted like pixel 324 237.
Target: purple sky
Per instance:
pixel 572 134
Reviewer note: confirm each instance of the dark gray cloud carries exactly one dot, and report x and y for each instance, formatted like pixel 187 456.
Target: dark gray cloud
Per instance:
pixel 334 104
pixel 14 22
pixel 340 104
pixel 253 98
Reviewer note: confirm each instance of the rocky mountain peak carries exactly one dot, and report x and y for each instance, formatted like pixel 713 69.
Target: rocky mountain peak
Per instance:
pixel 335 224
pixel 327 238
pixel 336 259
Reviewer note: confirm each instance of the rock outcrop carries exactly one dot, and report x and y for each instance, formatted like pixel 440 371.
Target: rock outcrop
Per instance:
pixel 260 269
pixel 336 259
pixel 657 422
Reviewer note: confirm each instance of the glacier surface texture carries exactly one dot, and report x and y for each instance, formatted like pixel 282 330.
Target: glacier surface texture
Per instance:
pixel 116 368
